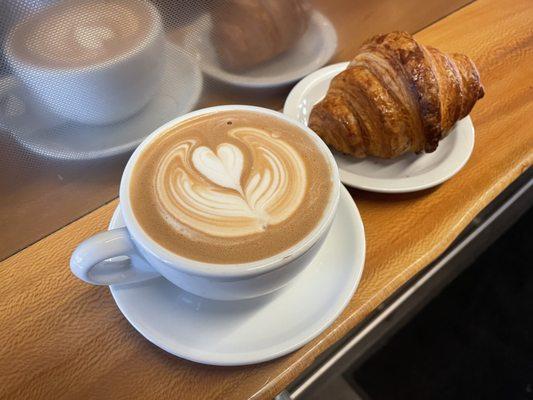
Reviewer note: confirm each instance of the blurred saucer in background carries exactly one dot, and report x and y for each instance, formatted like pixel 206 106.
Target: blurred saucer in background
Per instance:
pixel 41 133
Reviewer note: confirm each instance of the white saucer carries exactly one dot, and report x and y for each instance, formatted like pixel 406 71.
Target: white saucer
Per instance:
pixel 53 137
pixel 407 173
pixel 256 330
pixel 313 50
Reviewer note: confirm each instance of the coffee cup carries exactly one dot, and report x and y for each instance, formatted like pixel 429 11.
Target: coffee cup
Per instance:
pixel 221 281
pixel 84 64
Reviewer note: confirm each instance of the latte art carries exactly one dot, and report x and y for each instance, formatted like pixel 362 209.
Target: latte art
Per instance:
pixel 206 190
pixel 230 187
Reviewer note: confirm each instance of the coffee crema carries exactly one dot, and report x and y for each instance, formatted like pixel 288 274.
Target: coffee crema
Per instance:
pixel 230 187
pixel 78 34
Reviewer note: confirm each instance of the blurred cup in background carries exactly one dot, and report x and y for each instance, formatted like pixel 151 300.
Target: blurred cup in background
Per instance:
pixel 94 62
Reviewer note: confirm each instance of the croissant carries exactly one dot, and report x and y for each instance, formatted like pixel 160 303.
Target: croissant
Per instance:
pixel 396 96
pixel 248 32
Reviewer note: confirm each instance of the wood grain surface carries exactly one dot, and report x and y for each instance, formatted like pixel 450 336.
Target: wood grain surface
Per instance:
pixel 63 339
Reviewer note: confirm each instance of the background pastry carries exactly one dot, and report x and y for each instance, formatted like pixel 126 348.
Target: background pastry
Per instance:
pixel 249 32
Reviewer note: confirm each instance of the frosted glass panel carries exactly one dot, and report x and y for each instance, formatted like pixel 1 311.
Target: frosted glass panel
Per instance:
pixel 83 82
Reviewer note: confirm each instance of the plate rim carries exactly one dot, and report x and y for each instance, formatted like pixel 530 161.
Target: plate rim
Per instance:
pixel 248 358
pixel 349 178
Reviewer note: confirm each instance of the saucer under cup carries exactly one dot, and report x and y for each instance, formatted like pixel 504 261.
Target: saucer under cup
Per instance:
pixel 254 330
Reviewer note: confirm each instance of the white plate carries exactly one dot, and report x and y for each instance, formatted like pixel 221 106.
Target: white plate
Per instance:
pixel 49 136
pixel 256 330
pixel 314 49
pixel 407 173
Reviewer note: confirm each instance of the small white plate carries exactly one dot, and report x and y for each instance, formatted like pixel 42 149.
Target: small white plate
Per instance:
pixel 53 137
pixel 313 50
pixel 407 173
pixel 256 330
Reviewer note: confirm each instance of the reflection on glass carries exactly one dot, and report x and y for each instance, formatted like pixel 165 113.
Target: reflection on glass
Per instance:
pixel 91 79
pixel 82 82
pixel 247 33
pixel 179 13
pixel 92 62
pixel 261 44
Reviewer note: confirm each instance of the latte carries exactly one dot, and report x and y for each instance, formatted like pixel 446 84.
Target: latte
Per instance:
pixel 230 187
pixel 79 34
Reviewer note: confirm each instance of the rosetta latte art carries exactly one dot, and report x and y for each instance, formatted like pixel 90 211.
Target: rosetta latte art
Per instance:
pixel 209 190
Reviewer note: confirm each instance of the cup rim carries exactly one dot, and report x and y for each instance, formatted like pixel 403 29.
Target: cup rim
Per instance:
pixel 154 33
pixel 196 267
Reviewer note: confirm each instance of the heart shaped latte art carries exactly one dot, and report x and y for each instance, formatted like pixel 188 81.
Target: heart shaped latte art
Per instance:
pixel 223 168
pixel 203 188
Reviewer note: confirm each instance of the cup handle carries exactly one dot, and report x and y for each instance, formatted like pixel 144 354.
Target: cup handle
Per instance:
pixel 91 260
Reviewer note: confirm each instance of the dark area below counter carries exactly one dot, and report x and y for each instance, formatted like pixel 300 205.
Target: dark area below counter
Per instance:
pixel 473 341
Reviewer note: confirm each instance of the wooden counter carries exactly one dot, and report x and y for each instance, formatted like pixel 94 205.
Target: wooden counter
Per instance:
pixel 61 338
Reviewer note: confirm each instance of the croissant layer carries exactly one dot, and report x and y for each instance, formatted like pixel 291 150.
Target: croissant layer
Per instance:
pixel 396 96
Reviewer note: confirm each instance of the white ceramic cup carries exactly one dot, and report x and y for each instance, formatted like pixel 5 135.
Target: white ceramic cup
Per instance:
pixel 100 93
pixel 215 281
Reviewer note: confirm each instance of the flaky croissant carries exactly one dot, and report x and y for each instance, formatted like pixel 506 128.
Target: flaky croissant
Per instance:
pixel 396 96
pixel 249 32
